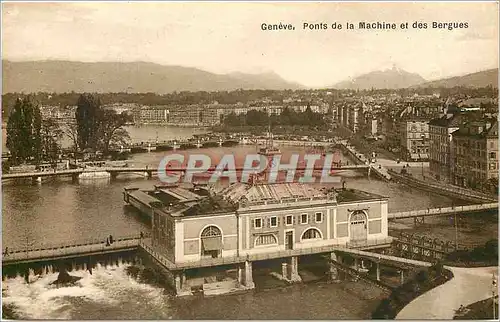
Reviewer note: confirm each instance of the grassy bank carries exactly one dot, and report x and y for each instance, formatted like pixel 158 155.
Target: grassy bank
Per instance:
pixel 482 310
pixel 481 256
pixel 423 280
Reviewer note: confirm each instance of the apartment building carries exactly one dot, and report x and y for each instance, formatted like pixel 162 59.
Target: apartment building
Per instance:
pixel 414 139
pixel 440 130
pixel 475 154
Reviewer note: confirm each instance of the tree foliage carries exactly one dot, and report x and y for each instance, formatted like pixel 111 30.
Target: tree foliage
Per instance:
pixel 97 129
pixel 87 120
pixel 24 131
pixel 51 135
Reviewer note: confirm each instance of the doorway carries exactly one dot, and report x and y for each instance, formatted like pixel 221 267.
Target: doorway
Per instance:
pixel 358 226
pixel 289 240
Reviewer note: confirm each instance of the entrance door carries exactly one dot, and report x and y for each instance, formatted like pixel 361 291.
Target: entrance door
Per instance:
pixel 358 227
pixel 289 240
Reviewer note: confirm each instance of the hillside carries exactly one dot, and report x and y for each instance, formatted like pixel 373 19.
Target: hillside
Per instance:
pixel 136 77
pixel 385 79
pixel 479 79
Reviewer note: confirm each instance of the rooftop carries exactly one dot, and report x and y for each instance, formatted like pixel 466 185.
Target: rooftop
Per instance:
pixel 241 192
pixel 350 195
pixel 478 129
pixel 203 201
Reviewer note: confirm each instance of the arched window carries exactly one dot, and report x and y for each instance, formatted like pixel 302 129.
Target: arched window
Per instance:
pixel 268 239
pixel 358 216
pixel 312 233
pixel 211 242
pixel 211 231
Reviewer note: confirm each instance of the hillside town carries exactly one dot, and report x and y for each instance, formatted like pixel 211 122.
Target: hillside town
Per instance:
pixel 431 125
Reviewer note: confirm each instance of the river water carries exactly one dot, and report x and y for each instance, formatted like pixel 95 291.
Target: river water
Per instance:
pixel 59 211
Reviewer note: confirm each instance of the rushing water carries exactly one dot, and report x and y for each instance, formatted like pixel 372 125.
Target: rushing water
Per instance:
pixel 58 211
pixel 109 293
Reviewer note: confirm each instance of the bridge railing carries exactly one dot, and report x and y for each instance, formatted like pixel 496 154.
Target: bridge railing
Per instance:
pixel 48 254
pixel 59 246
pixel 446 187
pixel 442 210
pixel 226 260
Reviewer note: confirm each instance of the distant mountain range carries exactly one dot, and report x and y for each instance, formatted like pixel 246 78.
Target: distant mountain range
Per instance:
pixel 137 77
pixel 397 78
pixel 479 79
pixel 141 77
pixel 390 79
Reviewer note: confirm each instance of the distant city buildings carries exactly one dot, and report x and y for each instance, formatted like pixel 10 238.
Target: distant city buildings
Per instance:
pixel 440 130
pixel 474 154
pixel 211 114
pixel 415 139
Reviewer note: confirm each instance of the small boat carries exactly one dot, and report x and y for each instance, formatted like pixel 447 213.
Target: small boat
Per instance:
pixel 210 144
pixel 230 143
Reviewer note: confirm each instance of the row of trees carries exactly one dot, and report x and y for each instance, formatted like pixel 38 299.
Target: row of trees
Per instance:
pixel 287 117
pixel 30 138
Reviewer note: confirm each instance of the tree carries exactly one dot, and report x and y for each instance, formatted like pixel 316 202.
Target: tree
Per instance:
pixel 87 120
pixel 51 134
pixel 23 131
pixel 111 131
pixel 71 131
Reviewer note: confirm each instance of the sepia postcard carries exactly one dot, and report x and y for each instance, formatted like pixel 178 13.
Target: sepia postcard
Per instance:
pixel 249 160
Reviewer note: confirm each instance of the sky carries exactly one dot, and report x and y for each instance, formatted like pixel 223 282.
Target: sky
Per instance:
pixel 227 37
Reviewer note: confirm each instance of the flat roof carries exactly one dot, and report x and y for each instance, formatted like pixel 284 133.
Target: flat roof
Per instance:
pixel 350 195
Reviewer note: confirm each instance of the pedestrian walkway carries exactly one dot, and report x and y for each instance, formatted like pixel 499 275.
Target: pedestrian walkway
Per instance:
pixel 469 285
pixel 377 166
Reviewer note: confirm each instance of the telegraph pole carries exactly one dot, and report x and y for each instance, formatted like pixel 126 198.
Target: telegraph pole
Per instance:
pixel 494 287
pixel 456 232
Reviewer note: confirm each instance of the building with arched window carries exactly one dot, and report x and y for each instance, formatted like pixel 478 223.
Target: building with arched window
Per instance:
pixel 247 219
pixel 200 227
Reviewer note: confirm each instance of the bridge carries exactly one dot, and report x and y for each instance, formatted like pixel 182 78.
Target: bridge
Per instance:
pixel 444 189
pixel 377 167
pixel 443 211
pixel 64 251
pixel 114 171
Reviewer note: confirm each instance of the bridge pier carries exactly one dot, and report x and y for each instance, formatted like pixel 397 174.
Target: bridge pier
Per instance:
pixel 418 221
pixel 356 263
pixel 248 278
pixel 181 286
pixel 74 178
pixel 377 271
pixel 334 274
pixel 294 269
pixel 402 276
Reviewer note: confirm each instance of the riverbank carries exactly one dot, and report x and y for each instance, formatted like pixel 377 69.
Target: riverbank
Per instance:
pixel 468 285
pixel 481 310
pixel 422 281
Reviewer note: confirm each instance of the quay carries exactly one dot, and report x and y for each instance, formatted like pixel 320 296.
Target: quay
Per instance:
pixel 453 191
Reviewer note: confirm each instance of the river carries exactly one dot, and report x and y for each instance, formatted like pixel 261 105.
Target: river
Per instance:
pixel 58 211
